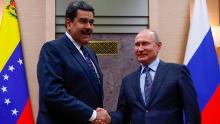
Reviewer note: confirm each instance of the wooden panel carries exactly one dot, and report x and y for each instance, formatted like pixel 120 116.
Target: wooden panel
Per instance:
pixel 111 7
pixel 115 16
pixel 109 29
pixel 106 20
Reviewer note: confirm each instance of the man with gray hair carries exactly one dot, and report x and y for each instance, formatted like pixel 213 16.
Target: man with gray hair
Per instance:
pixel 157 92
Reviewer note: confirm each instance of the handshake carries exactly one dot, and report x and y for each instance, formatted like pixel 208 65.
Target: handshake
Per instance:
pixel 102 117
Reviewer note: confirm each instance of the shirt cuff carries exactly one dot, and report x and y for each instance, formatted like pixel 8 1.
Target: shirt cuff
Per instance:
pixel 93 117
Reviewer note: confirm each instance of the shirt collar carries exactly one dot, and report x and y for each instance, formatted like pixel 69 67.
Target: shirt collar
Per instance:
pixel 153 65
pixel 77 45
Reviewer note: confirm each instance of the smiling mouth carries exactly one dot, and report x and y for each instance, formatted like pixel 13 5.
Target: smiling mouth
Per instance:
pixel 142 55
pixel 86 32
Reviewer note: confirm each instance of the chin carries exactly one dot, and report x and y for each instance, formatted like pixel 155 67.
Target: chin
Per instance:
pixel 84 42
pixel 143 61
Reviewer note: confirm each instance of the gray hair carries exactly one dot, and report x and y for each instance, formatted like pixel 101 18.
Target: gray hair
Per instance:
pixel 155 35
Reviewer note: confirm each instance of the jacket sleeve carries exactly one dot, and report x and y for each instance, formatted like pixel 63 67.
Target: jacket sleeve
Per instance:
pixel 189 98
pixel 51 84
pixel 122 114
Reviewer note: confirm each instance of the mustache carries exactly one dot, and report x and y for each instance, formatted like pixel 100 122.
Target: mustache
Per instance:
pixel 86 31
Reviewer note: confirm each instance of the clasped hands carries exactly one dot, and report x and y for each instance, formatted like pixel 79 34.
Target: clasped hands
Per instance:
pixel 102 117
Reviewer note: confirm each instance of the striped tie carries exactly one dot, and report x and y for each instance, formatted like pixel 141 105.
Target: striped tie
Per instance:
pixel 90 63
pixel 148 83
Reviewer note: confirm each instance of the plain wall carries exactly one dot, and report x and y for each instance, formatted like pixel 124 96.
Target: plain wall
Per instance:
pixel 31 15
pixel 170 18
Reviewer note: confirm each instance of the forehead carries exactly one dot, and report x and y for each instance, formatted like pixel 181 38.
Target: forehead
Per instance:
pixel 144 37
pixel 84 14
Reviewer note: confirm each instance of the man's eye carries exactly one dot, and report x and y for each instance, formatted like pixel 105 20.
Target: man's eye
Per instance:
pixel 145 43
pixel 83 21
pixel 136 44
pixel 91 22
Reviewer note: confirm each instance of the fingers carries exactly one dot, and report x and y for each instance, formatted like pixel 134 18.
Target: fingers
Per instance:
pixel 99 109
pixel 102 117
pixel 99 122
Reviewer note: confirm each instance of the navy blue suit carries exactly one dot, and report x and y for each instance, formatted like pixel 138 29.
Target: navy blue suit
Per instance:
pixel 68 90
pixel 172 93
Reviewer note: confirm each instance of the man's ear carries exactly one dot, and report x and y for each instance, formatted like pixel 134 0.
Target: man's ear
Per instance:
pixel 159 44
pixel 68 23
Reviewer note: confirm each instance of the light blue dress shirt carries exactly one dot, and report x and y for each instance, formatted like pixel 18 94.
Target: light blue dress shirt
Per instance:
pixel 153 68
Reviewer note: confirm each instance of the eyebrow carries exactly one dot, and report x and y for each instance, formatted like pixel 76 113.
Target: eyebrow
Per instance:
pixel 85 19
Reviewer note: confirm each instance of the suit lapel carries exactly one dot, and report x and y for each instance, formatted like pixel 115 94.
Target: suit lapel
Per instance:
pixel 95 62
pixel 137 88
pixel 77 55
pixel 158 80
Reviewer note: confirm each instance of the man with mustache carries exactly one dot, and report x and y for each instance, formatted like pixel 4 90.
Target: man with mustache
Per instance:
pixel 69 76
pixel 157 92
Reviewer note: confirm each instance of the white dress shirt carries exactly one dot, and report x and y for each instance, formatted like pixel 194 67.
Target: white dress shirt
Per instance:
pixel 78 46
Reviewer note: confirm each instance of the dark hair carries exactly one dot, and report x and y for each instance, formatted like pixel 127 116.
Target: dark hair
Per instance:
pixel 72 8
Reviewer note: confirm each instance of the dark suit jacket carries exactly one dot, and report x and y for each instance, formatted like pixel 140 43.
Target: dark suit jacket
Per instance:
pixel 67 89
pixel 172 93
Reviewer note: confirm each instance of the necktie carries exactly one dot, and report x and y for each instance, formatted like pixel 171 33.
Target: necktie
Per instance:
pixel 148 84
pixel 90 63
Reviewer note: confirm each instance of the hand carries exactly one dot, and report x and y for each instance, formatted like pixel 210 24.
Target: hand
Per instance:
pixel 102 117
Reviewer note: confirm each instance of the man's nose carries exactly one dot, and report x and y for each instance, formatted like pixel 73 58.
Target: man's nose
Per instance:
pixel 140 48
pixel 89 25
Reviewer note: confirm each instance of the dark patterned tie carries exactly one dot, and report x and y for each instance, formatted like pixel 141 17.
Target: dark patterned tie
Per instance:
pixel 148 83
pixel 90 63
